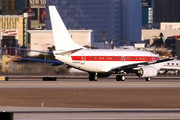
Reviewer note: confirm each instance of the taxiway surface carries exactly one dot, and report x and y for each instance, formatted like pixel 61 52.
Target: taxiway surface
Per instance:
pixel 76 98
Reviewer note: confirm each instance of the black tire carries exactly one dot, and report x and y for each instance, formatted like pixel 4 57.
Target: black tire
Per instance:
pixel 123 78
pixel 91 78
pixel 148 79
pixel 118 78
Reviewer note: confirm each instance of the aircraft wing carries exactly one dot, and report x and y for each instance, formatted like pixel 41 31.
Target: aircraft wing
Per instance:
pixel 54 62
pixel 131 66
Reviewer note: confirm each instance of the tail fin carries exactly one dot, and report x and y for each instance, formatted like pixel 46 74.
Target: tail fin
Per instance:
pixel 62 39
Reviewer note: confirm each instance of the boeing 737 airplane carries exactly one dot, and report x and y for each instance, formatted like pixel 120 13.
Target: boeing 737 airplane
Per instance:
pixel 101 62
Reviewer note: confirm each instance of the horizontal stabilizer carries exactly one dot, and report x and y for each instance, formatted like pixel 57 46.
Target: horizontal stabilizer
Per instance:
pixel 55 62
pixel 65 52
pixel 27 50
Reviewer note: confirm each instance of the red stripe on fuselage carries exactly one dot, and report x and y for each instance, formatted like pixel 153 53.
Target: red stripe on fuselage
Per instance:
pixel 114 58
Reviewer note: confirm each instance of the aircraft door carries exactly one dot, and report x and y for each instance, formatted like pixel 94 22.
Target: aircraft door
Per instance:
pixel 83 58
pixel 122 58
pixel 152 57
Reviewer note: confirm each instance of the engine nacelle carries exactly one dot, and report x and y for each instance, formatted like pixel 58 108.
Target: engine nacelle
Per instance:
pixel 147 71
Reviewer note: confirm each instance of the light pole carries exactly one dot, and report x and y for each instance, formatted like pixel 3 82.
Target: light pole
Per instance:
pixel 25 28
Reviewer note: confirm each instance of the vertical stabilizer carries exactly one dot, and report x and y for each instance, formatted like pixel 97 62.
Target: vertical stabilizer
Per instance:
pixel 62 39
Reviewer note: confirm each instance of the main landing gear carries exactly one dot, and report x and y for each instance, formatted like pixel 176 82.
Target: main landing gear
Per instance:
pixel 93 77
pixel 120 78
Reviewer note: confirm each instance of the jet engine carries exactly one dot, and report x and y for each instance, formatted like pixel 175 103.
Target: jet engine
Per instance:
pixel 147 71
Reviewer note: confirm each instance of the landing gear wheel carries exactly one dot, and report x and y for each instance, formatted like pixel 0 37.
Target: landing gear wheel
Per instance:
pixel 148 79
pixel 120 78
pixel 123 78
pixel 95 78
pixel 91 78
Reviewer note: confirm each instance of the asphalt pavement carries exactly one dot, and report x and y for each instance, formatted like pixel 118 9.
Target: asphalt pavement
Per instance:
pixel 74 98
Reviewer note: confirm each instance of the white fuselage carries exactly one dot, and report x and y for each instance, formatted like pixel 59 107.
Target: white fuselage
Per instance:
pixel 97 60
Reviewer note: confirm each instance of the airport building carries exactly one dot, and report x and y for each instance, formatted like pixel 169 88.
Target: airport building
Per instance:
pixel 42 39
pixel 119 18
pixel 11 31
pixel 169 29
pixel 13 27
